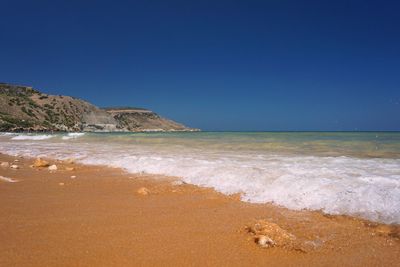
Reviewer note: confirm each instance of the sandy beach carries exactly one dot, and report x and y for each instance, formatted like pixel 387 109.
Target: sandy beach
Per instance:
pixel 98 218
pixel 200 133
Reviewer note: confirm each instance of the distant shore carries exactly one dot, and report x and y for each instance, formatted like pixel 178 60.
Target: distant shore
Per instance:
pixel 88 131
pixel 96 216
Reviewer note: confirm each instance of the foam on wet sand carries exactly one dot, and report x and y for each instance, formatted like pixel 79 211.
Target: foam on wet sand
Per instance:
pixel 7 179
pixel 362 186
pixel 101 220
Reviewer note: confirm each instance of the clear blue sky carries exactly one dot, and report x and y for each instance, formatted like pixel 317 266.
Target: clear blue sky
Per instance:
pixel 216 65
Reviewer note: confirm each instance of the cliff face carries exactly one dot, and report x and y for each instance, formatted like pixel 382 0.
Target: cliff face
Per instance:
pixel 23 108
pixel 134 119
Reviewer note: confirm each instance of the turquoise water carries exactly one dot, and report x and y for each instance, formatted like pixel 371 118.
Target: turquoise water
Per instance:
pixel 358 144
pixel 354 173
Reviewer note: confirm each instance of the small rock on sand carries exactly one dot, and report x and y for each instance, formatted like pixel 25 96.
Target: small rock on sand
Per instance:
pixel 69 168
pixel 39 163
pixel 143 191
pixel 61 184
pixel 268 234
pixel 73 177
pixel 53 167
pixel 265 241
pixel 5 164
pixel 14 167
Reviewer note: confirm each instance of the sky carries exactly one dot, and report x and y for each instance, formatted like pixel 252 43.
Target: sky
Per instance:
pixel 216 65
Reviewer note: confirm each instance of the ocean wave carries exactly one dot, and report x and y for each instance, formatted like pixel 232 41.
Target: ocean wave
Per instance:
pixel 32 137
pixel 72 136
pixel 7 134
pixel 365 187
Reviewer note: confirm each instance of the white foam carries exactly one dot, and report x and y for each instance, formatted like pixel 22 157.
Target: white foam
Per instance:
pixel 364 187
pixel 368 188
pixel 7 134
pixel 6 179
pixel 72 136
pixel 32 137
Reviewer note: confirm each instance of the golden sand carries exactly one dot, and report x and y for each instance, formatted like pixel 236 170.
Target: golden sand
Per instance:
pixel 97 216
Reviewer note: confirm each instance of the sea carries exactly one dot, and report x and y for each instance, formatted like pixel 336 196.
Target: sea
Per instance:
pixel 349 173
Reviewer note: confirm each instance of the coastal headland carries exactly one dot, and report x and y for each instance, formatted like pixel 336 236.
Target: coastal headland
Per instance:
pixel 25 109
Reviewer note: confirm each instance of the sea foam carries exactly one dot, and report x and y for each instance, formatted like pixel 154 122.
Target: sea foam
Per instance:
pixel 6 179
pixel 359 186
pixel 72 136
pixel 32 137
pixel 368 188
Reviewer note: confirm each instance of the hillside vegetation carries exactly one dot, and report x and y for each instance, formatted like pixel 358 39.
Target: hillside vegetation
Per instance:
pixel 23 108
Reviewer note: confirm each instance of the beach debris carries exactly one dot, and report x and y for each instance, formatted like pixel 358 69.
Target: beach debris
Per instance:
pixel 73 177
pixel 178 182
pixel 5 164
pixel 53 167
pixel 60 184
pixel 264 241
pixel 267 234
pixel 13 166
pixel 7 179
pixel 16 160
pixel 69 168
pixel 143 191
pixel 40 163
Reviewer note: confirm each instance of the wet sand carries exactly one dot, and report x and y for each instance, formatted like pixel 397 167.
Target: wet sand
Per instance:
pixel 98 219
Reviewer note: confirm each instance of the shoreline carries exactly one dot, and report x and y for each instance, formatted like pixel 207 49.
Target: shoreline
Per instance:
pixel 99 218
pixel 194 130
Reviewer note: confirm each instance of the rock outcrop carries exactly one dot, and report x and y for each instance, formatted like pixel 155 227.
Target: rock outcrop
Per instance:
pixel 23 108
pixel 142 120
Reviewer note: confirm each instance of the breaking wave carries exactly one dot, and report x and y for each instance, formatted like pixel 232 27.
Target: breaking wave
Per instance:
pixel 72 136
pixel 367 187
pixel 32 137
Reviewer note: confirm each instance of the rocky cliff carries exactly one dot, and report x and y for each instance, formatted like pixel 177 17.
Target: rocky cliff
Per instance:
pixel 134 119
pixel 23 108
